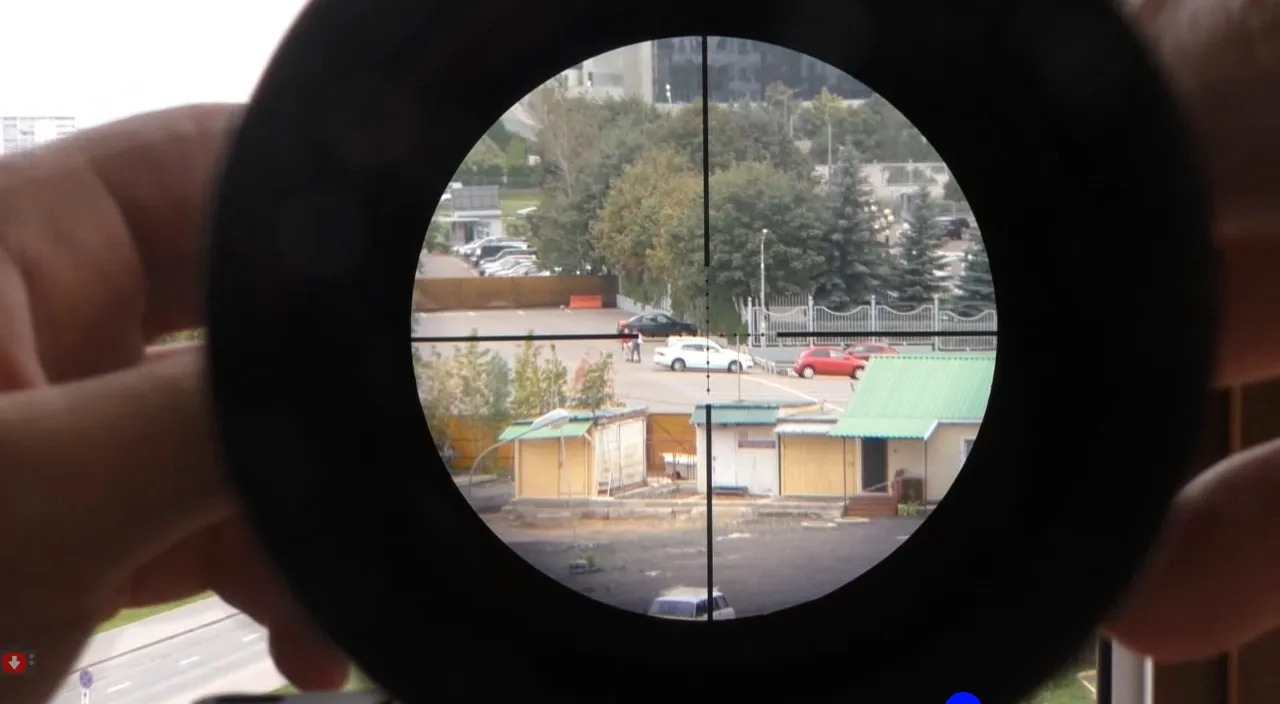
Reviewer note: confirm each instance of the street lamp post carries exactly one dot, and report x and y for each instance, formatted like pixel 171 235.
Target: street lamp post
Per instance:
pixel 551 419
pixel 763 234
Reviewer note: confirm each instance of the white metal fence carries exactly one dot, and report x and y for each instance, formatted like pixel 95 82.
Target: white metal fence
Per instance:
pixel 802 322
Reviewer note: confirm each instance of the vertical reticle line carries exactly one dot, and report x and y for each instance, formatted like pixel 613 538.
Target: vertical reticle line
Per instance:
pixel 706 310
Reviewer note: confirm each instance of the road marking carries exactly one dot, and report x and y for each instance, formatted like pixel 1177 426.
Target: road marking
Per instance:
pixel 249 637
pixel 189 660
pixel 790 390
pixel 118 687
pixel 471 312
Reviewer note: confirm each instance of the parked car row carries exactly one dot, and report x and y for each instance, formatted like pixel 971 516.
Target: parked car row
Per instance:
pixel 501 256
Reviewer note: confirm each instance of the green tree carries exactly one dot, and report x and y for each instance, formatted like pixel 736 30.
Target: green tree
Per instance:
pixel 731 142
pixel 781 107
pixel 437 389
pixel 848 126
pixel 517 155
pixel 891 136
pixel 593 384
pixel 856 264
pixel 581 155
pixel 437 237
pixel 554 377
pixel 951 191
pixel 497 380
pixel 650 200
pixel 481 373
pixel 485 162
pixel 914 279
pixel 976 291
pixel 527 398
pixel 779 149
pixel 746 200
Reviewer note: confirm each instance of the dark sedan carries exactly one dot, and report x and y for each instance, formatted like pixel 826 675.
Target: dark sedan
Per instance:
pixel 656 325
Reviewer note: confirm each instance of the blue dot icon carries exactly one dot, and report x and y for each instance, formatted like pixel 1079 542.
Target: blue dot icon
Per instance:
pixel 962 698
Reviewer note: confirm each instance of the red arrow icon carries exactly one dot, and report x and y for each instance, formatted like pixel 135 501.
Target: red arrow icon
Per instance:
pixel 13 663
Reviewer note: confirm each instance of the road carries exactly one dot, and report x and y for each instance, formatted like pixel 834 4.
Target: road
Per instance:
pixel 761 566
pixel 227 655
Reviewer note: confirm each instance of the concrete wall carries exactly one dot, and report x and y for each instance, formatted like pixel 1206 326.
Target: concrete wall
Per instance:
pixel 478 293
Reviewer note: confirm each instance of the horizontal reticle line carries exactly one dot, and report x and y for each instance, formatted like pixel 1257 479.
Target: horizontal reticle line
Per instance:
pixel 526 336
pixel 569 337
pixel 888 333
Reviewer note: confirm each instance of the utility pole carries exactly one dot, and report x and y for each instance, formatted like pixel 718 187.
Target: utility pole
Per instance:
pixel 828 144
pixel 763 234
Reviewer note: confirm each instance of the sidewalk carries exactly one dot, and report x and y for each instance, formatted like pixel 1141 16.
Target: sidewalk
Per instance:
pixel 554 511
pixel 119 641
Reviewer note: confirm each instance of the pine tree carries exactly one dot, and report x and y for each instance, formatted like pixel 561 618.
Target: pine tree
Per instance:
pixel 856 264
pixel 915 279
pixel 437 389
pixel 553 377
pixel 526 381
pixel 976 291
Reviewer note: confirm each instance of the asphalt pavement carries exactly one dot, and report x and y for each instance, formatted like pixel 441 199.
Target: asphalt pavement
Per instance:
pixel 658 389
pixel 228 654
pixel 761 566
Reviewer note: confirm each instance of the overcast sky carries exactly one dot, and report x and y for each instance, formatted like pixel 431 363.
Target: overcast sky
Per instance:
pixel 98 60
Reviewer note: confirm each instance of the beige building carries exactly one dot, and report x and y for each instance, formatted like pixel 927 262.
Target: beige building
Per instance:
pixel 594 454
pixel 915 417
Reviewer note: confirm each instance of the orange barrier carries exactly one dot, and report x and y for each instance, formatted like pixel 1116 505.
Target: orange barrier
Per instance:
pixel 584 302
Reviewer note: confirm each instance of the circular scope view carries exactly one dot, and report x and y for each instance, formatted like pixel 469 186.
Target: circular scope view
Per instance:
pixel 609 355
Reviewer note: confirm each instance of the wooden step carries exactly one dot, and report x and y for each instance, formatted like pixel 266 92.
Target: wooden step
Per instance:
pixel 871 505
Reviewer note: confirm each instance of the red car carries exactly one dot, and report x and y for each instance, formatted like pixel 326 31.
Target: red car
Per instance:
pixel 828 361
pixel 865 350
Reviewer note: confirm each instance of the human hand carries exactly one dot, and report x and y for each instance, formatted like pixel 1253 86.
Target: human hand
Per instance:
pixel 1209 587
pixel 111 492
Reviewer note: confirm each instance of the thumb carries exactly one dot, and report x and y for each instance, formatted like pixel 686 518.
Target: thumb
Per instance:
pixel 1211 585
pixel 101 473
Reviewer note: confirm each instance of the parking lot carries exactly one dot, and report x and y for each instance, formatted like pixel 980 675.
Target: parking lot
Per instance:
pixel 643 384
pixel 761 566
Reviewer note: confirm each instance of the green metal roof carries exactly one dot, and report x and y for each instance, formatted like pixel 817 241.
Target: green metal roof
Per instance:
pixel 736 414
pixel 579 423
pixel 888 428
pixel 906 396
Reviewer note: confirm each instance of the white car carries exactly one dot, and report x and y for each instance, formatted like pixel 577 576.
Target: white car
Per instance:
pixel 528 268
pixel 506 264
pixel 681 353
pixel 690 604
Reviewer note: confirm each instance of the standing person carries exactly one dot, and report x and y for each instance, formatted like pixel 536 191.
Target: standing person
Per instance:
pixel 635 346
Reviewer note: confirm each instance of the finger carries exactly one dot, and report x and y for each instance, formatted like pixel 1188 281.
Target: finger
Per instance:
pixel 229 560
pixel 19 367
pixel 159 169
pixel 242 574
pixel 1211 585
pixel 101 473
pixel 304 656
